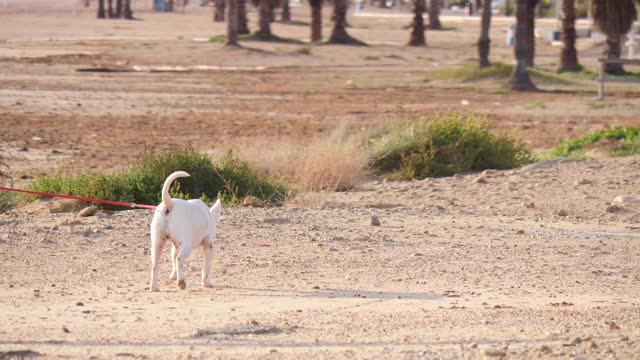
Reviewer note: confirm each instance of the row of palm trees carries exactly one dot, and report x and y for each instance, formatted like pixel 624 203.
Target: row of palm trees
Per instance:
pixel 613 17
pixel 122 9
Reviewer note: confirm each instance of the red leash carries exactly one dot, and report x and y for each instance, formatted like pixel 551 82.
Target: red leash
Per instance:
pixel 108 202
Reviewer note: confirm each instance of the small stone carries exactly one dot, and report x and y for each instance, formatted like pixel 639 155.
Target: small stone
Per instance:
pixel 64 328
pixel 626 199
pixel 562 212
pixel 79 303
pixel 544 349
pixel 613 326
pixel 612 208
pixel 495 352
pixel 575 341
pixel 375 221
pixel 88 211
pixel 591 345
pixel 253 202
pixel 583 182
pixel 520 232
pixel 488 172
pixel 529 205
pixel 473 345
pixel 480 180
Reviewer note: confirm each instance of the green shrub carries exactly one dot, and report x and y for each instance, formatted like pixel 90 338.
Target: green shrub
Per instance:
pixel 442 145
pixel 614 142
pixel 230 179
pixel 7 199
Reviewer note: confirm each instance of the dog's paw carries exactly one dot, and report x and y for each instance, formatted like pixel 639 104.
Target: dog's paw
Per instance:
pixel 173 276
pixel 207 284
pixel 154 288
pixel 182 284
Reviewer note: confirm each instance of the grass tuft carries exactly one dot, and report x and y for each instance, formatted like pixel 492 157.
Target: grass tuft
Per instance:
pixel 333 163
pixel 472 72
pixel 221 38
pixel 502 72
pixel 229 179
pixel 444 144
pixel 613 142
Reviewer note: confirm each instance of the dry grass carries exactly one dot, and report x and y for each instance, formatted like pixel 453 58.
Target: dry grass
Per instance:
pixel 334 163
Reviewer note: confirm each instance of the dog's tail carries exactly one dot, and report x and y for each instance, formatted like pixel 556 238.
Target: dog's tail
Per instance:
pixel 215 211
pixel 166 198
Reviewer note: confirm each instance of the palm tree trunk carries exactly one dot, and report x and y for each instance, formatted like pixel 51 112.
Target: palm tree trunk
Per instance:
pixel 264 19
pixel 243 27
pixel 568 55
pixel 232 24
pixel 286 11
pixel 520 80
pixel 218 13
pixel 417 33
pixel 272 10
pixel 614 18
pixel 111 14
pixel 484 42
pixel 316 20
pixel 339 34
pixel 101 13
pixel 128 13
pixel 531 28
pixel 613 51
pixel 434 15
pixel 118 9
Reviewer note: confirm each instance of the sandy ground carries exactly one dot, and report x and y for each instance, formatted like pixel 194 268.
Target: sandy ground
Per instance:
pixel 533 263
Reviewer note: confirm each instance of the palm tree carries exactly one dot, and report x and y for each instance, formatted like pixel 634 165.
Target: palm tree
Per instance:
pixel 417 32
pixel 434 14
pixel 316 20
pixel 218 13
pixel 520 80
pixel 531 36
pixel 286 12
pixel 111 14
pixel 243 27
pixel 232 24
pixel 339 34
pixel 484 41
pixel 128 13
pixel 568 55
pixel 101 12
pixel 614 18
pixel 264 19
pixel 118 12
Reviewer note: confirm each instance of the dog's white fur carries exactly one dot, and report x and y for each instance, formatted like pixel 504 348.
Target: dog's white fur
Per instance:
pixel 186 224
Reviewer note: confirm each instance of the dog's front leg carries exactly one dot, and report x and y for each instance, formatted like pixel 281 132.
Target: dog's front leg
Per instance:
pixel 157 243
pixel 207 248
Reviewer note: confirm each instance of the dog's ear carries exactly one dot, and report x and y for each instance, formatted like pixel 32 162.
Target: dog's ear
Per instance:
pixel 216 210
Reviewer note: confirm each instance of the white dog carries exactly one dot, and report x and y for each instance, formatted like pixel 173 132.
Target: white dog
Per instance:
pixel 186 224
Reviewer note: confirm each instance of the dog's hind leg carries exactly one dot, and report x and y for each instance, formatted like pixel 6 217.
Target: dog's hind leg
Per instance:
pixel 157 243
pixel 174 262
pixel 184 250
pixel 207 248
